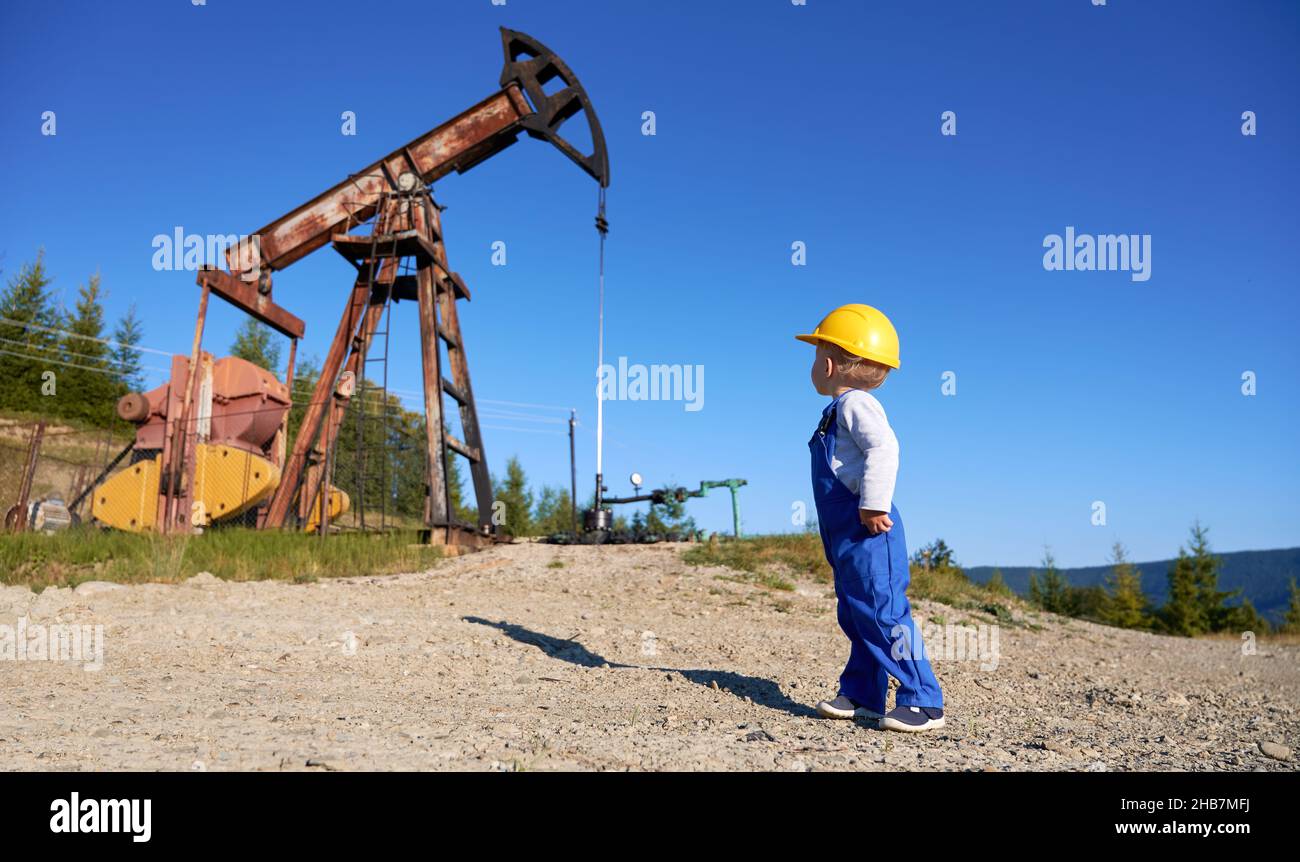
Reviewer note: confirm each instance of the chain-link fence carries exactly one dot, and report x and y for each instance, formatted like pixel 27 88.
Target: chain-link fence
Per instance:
pixel 58 463
pixel 378 461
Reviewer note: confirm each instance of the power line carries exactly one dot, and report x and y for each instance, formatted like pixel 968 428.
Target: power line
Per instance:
pixel 526 430
pixel 47 359
pixel 500 414
pixel 54 348
pixel 193 419
pixel 386 407
pixel 377 399
pixel 72 334
pixel 523 404
pixel 505 414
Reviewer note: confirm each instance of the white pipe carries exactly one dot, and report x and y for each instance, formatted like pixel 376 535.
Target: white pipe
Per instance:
pixel 600 364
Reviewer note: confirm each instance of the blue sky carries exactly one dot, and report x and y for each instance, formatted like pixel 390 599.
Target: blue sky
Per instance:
pixel 775 123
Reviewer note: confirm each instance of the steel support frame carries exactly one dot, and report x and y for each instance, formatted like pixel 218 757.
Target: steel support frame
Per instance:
pixel 459 144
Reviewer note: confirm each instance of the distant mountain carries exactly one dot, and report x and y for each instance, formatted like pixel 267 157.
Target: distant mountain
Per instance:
pixel 1263 576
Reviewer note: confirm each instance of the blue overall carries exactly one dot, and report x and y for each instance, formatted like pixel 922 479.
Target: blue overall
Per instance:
pixel 871 579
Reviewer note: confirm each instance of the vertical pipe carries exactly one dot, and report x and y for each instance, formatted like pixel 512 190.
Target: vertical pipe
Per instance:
pixel 282 446
pixel 288 369
pixel 573 472
pixel 602 227
pixel 173 462
pixel 29 474
pixel 327 464
pixel 600 393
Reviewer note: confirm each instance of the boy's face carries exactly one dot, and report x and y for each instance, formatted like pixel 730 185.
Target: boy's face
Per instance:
pixel 822 369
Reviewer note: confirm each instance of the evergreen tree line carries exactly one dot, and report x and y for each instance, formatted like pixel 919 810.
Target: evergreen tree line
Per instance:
pixel 1195 604
pixel 548 510
pixel 379 456
pixel 62 362
pixel 93 366
pixel 527 512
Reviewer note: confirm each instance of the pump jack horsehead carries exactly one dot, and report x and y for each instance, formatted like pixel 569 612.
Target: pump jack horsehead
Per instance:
pixel 220 423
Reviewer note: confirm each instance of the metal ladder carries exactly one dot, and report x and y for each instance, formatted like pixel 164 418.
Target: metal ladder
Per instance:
pixel 363 448
pixel 395 237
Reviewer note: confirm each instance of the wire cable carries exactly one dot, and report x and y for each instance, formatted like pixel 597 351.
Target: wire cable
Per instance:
pixel 71 334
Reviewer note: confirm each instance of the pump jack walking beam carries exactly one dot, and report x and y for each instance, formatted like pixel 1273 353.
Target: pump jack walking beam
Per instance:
pixel 392 192
pixel 457 145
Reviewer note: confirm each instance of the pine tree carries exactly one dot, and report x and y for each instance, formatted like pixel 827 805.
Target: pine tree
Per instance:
pixel 391 451
pixel 552 513
pixel 1127 604
pixel 1182 613
pixel 997 584
pixel 255 342
pixel 304 381
pixel 1035 591
pixel 1220 616
pixel 87 385
pixel 1244 618
pixel 1054 589
pixel 125 357
pixel 1291 620
pixel 936 555
pixel 517 498
pixel 27 346
pixel 1196 605
pixel 669 517
pixel 941 555
pixel 1088 603
pixel 394 467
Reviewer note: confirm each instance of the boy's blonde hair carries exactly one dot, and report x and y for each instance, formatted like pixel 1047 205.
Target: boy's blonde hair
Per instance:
pixel 858 372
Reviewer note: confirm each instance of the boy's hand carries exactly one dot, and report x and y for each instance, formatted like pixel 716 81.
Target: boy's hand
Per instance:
pixel 875 522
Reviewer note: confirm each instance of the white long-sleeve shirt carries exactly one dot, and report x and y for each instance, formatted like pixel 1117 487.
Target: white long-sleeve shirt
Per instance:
pixel 866 451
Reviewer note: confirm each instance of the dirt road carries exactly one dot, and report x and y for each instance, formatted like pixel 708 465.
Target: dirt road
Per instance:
pixel 539 657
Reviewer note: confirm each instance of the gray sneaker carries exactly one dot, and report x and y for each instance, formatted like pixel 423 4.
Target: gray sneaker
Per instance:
pixel 912 719
pixel 844 707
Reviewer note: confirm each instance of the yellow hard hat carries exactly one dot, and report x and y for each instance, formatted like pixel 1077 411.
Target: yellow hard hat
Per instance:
pixel 861 330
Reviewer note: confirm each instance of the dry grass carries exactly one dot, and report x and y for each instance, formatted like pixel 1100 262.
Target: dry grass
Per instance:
pixel 89 554
pixel 770 560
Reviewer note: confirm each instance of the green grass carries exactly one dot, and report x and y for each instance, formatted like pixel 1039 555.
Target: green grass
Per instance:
pixel 763 559
pixel 88 554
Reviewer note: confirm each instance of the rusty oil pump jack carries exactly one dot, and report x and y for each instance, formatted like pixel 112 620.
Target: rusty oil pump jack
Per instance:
pixel 392 199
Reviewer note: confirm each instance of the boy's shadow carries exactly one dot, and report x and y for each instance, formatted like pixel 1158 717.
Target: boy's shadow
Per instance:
pixel 762 691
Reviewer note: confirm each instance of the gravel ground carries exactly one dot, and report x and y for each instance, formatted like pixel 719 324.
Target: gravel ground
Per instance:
pixel 531 656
